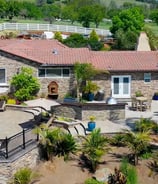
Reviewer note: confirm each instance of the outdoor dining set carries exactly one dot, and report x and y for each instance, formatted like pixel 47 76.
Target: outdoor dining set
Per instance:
pixel 141 103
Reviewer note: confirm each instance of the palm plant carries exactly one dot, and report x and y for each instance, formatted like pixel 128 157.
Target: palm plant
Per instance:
pixel 137 142
pixel 145 124
pixel 94 146
pixel 55 141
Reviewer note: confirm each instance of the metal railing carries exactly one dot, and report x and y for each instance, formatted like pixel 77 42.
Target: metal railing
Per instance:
pixel 14 144
pixel 51 27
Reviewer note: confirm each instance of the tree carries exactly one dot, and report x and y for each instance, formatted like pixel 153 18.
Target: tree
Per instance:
pixel 94 146
pixel 69 13
pixel 125 40
pixel 83 72
pixel 2 8
pixel 130 19
pixel 137 142
pixel 98 14
pixel 51 11
pixel 85 16
pixel 94 42
pixel 12 9
pixel 58 36
pixel 25 85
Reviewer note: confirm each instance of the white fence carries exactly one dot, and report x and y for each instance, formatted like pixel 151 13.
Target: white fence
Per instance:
pixel 51 27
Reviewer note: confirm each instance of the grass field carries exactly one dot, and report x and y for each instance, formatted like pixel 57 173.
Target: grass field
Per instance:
pixel 120 2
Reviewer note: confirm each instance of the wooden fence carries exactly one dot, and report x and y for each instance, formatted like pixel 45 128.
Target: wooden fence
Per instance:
pixel 51 27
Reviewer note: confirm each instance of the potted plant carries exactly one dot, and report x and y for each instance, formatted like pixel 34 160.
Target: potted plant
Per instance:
pixel 90 89
pixel 155 97
pixel 138 93
pixel 91 123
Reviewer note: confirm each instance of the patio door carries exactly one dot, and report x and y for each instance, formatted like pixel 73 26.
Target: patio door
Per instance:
pixel 121 86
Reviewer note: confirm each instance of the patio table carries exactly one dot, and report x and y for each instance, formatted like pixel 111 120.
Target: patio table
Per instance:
pixel 140 101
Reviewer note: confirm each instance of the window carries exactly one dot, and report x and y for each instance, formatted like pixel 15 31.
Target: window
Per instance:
pixel 147 77
pixel 54 72
pixel 2 76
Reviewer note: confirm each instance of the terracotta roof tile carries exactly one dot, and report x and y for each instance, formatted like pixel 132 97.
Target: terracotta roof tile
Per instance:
pixel 52 52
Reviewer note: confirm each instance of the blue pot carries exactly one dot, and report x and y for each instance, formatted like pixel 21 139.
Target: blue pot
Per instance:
pixel 155 97
pixel 91 126
pixel 90 96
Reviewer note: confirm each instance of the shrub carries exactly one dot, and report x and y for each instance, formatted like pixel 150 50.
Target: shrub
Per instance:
pixel 75 40
pixel 129 171
pixel 24 176
pixel 11 101
pixel 93 181
pixel 117 140
pixel 4 97
pixel 26 86
pixel 58 36
pixel 146 124
pixel 117 177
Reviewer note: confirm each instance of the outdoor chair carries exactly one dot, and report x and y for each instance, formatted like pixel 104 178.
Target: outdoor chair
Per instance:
pixel 2 105
pixel 147 104
pixel 134 104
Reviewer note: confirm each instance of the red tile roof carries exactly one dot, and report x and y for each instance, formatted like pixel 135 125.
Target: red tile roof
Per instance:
pixel 41 51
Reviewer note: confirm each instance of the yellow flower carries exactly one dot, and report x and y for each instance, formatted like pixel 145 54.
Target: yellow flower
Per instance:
pixel 92 118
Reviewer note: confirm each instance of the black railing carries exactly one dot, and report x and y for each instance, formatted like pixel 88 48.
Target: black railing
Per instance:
pixel 19 142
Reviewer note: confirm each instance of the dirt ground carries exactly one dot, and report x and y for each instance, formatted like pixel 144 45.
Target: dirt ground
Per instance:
pixel 70 172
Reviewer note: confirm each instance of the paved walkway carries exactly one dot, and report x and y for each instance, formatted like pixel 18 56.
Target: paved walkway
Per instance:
pixel 12 122
pixel 130 118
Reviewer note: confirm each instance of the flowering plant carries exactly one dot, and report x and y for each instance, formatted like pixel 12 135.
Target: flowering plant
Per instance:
pixel 92 118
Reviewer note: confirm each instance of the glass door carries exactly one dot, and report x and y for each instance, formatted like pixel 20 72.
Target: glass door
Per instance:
pixel 121 86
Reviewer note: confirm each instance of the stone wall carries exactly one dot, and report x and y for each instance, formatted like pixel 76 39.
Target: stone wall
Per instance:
pixel 101 111
pixel 13 64
pixel 8 168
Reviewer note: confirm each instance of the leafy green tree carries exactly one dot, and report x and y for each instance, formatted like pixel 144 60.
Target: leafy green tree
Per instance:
pixel 30 10
pixel 2 8
pixel 137 142
pixel 85 16
pixel 69 13
pixel 98 14
pixel 83 72
pixel 94 146
pixel 26 86
pixel 125 40
pixel 12 9
pixel 94 42
pixel 51 11
pixel 130 19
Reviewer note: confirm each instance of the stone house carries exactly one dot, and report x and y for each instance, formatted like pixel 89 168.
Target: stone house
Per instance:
pixel 52 62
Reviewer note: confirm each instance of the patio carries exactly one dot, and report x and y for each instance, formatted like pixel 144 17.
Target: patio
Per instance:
pixel 11 121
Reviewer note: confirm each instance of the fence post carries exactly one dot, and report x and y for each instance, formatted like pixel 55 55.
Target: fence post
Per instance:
pixel 6 146
pixel 23 138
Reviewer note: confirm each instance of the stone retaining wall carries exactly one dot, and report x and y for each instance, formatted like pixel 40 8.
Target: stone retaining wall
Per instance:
pixel 101 111
pixel 8 168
